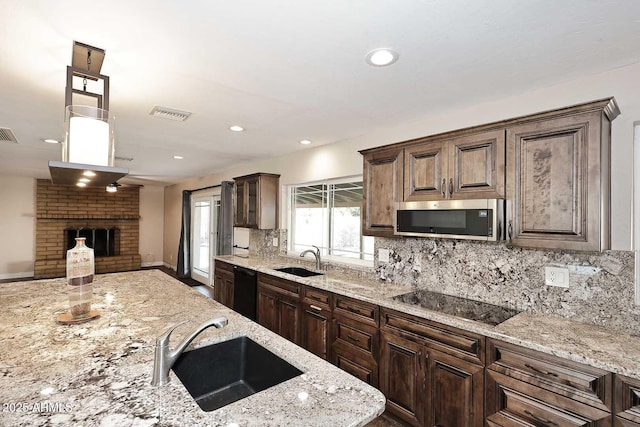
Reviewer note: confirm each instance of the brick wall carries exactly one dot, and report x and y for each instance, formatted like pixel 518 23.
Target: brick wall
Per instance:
pixel 61 207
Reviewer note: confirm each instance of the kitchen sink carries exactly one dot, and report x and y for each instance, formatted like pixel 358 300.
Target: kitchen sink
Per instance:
pixel 223 373
pixel 298 271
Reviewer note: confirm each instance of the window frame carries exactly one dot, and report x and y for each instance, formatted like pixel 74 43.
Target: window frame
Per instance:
pixel 327 224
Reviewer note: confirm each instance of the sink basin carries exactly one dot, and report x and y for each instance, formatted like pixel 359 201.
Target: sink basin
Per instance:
pixel 223 373
pixel 298 271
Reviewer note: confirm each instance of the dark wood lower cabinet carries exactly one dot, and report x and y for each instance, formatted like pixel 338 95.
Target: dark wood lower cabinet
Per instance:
pixel 316 327
pixel 403 378
pixel 223 286
pixel 455 391
pixel 427 387
pixel 279 313
pixel 627 402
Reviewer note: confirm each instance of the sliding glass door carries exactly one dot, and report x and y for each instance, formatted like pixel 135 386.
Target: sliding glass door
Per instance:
pixel 205 210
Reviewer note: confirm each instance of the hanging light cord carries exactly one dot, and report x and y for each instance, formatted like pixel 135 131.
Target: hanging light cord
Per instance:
pixel 84 80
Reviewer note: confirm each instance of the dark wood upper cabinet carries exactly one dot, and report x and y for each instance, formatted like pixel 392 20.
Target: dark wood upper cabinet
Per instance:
pixel 382 189
pixel 256 201
pixel 462 167
pixel 559 178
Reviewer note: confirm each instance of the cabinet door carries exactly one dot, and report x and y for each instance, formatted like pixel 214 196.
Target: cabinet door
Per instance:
pixel 239 213
pixel 382 188
pixel 476 166
pixel 253 197
pixel 627 401
pixel 554 183
pixel 267 310
pixel 356 362
pixel 223 288
pixel 455 391
pixel 402 378
pixel 425 172
pixel 289 319
pixel 316 324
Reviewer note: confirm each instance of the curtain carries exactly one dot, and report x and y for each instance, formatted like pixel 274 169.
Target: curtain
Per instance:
pixel 225 219
pixel 184 249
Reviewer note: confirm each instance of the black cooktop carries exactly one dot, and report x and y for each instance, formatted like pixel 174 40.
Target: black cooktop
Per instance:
pixel 456 306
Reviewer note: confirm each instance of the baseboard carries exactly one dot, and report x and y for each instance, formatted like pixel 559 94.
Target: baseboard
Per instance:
pixel 152 264
pixel 170 267
pixel 26 274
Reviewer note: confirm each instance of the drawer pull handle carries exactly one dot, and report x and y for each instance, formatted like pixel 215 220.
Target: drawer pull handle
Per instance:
pixel 540 419
pixel 540 371
pixel 353 338
pixel 315 307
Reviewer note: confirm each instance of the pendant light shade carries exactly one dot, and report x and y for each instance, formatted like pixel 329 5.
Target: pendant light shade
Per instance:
pixel 89 136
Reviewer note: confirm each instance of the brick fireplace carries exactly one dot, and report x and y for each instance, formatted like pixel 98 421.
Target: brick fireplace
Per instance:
pixel 111 220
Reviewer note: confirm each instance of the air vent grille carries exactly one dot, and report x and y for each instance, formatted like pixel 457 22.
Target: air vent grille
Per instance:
pixel 7 135
pixel 170 113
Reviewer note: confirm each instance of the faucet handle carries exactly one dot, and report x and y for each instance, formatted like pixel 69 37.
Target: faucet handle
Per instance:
pixel 163 340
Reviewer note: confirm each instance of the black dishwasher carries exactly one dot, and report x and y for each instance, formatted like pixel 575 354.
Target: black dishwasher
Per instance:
pixel 245 284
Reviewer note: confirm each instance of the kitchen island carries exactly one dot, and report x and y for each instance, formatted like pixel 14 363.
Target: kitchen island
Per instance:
pixel 99 372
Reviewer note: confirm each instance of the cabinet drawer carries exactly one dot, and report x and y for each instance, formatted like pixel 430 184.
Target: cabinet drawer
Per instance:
pixel 584 383
pixel 627 404
pixel 463 344
pixel 316 296
pixel 358 363
pixel 223 266
pixel 357 310
pixel 511 402
pixel 281 285
pixel 356 335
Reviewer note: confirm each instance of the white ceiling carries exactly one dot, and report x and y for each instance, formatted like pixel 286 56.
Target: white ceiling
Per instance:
pixel 286 69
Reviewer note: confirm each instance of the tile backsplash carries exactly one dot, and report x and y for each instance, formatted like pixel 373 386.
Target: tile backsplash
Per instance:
pixel 601 285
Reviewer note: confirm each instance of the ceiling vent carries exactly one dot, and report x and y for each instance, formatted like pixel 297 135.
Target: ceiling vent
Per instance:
pixel 7 135
pixel 170 113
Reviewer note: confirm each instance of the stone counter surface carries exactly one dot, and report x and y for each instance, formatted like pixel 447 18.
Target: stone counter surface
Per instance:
pixel 98 373
pixel 597 346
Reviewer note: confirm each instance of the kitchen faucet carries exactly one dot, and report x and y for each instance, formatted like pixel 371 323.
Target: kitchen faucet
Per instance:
pixel 164 358
pixel 315 253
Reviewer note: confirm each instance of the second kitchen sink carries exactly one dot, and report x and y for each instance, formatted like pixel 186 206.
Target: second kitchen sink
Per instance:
pixel 298 271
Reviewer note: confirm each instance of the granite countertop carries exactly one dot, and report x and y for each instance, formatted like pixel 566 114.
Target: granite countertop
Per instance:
pixel 99 372
pixel 597 346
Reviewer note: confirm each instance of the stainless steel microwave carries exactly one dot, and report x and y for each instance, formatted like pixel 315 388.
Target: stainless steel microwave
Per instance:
pixel 479 219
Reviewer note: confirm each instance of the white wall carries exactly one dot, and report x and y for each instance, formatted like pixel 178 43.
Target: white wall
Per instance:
pixel 17 226
pixel 342 159
pixel 151 224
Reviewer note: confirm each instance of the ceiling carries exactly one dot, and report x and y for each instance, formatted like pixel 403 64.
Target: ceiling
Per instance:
pixel 286 70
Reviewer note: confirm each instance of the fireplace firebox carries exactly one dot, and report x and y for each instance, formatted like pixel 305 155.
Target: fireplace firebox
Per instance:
pixel 105 242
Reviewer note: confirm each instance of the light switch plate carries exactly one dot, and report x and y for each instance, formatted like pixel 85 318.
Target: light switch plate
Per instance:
pixel 383 255
pixel 556 276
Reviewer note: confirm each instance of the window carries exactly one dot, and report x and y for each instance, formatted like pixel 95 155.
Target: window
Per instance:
pixel 327 215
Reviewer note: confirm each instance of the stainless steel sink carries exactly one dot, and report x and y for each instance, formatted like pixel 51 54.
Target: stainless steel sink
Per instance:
pixel 298 271
pixel 223 373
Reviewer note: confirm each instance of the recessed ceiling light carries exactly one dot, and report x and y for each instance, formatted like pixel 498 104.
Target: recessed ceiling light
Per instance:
pixel 382 57
pixel 81 184
pixel 305 142
pixel 89 173
pixel 84 180
pixel 51 141
pixel 236 128
pixel 178 157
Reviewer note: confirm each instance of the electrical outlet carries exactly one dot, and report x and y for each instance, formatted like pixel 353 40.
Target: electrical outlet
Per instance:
pixel 383 255
pixel 556 276
pixel 275 241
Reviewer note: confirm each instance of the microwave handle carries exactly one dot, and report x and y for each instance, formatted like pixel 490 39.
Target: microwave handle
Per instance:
pixel 444 188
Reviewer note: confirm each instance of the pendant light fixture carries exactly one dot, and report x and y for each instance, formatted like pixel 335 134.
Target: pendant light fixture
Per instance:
pixel 88 148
